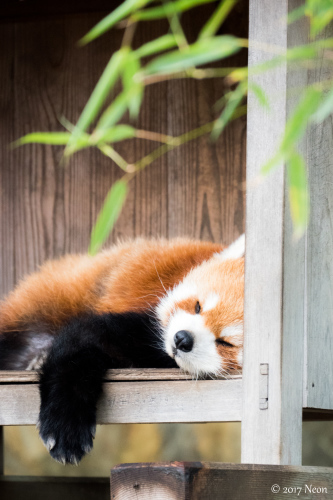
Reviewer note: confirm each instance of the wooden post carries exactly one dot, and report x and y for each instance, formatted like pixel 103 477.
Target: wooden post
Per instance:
pixel 274 277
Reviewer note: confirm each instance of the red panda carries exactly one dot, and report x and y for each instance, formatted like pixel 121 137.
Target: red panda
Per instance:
pixel 141 303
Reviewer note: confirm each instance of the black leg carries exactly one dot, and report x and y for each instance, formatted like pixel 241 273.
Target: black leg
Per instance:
pixel 70 386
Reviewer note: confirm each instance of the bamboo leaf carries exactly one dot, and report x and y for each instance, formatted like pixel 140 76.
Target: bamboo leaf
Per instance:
pixel 124 10
pixel 100 92
pixel 259 93
pixel 164 42
pixel 118 133
pixel 298 121
pixel 53 138
pixel 295 128
pixel 296 14
pixel 215 21
pixel 108 215
pixel 233 101
pixel 114 112
pixel 133 88
pixel 200 52
pixel 298 193
pixel 325 109
pixel 168 9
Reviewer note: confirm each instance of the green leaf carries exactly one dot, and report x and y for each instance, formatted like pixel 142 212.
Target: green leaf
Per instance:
pixel 125 9
pixel 297 123
pixel 114 112
pixel 200 52
pixel 298 193
pixel 233 101
pixel 168 9
pixel 53 138
pixel 108 216
pixel 119 133
pixel 131 86
pixel 215 21
pixel 320 13
pixel 259 93
pixel 296 14
pixel 295 128
pixel 164 42
pixel 100 92
pixel 325 109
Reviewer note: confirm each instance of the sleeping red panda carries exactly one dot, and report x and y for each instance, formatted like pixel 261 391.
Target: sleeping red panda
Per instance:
pixel 143 303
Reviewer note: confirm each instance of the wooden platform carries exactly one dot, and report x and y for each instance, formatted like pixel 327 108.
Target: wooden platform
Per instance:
pixel 140 396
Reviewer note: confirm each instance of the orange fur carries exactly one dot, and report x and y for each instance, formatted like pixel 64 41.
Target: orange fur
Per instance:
pixel 131 276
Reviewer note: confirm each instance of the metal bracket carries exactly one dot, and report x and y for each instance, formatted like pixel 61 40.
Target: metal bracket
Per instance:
pixel 263 386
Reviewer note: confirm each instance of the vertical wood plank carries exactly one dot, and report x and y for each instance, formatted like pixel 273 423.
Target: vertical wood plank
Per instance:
pixel 274 278
pixel 319 334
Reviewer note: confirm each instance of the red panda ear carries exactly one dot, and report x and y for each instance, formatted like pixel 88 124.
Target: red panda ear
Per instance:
pixel 234 251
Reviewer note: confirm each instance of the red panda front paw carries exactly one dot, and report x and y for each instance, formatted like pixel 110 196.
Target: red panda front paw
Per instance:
pixel 67 439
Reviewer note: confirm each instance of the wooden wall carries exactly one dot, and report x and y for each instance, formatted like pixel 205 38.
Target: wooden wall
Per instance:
pixel 46 209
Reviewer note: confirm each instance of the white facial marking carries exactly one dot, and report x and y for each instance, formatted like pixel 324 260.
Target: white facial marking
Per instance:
pixel 210 302
pixel 178 293
pixel 203 358
pixel 234 251
pixel 234 333
pixel 240 357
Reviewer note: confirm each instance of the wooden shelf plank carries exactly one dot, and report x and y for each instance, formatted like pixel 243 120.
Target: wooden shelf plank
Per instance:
pixel 130 374
pixel 144 401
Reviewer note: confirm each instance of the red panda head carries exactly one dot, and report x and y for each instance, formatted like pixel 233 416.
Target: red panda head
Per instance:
pixel 202 317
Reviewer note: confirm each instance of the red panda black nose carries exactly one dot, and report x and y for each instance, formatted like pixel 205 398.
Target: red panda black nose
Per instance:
pixel 184 341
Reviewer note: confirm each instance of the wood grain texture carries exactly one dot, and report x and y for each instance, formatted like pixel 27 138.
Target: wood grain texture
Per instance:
pixel 319 266
pixel 138 402
pixel 274 276
pixel 53 488
pixel 48 210
pixel 212 481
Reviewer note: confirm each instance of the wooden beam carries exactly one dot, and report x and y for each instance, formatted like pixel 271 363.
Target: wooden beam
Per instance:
pixel 207 481
pixel 139 402
pixel 274 276
pixel 53 488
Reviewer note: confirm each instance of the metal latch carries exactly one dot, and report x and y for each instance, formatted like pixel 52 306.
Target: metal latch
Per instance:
pixel 263 386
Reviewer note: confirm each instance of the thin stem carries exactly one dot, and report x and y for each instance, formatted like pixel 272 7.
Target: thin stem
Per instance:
pixel 112 153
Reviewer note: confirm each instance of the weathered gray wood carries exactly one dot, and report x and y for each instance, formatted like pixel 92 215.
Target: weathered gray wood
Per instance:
pixel 214 481
pixel 319 267
pixel 274 279
pixel 139 402
pixel 54 488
